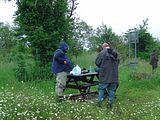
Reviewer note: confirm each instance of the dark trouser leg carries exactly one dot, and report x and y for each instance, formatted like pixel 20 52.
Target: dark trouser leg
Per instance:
pixel 111 91
pixel 101 90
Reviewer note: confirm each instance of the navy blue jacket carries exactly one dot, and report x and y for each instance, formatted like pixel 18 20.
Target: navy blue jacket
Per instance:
pixel 59 57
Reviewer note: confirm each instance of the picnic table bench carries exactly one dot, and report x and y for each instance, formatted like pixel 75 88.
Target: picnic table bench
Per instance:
pixel 83 83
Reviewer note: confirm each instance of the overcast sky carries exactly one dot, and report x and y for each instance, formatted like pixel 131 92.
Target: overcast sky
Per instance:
pixel 119 14
pixel 6 11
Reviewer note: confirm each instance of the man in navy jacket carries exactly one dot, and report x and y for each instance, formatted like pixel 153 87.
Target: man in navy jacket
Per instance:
pixel 61 66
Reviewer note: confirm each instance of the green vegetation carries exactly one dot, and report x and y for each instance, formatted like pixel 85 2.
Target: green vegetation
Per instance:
pixel 136 98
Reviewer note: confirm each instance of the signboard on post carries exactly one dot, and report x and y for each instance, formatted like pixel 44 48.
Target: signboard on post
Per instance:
pixel 133 37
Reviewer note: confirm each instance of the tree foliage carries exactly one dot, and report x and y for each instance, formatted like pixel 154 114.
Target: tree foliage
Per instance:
pixel 82 34
pixel 7 39
pixel 45 23
pixel 104 34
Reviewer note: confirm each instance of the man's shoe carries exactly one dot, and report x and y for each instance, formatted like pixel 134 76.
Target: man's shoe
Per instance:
pixel 99 104
pixel 109 105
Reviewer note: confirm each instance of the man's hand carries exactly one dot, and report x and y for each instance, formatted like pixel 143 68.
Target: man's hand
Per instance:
pixel 65 62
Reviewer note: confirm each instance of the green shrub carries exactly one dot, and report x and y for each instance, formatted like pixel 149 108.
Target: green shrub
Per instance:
pixel 20 69
pixel 140 76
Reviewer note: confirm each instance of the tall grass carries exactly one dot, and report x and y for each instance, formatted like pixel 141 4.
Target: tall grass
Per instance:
pixel 137 99
pixel 6 73
pixel 85 60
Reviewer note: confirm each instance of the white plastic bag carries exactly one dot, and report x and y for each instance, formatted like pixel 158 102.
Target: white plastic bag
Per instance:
pixel 76 70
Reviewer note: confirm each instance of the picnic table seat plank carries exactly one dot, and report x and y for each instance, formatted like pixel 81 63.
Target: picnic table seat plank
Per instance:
pixel 82 86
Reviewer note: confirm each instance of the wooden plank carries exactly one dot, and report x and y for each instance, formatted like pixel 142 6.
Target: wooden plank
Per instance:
pixel 80 96
pixel 81 75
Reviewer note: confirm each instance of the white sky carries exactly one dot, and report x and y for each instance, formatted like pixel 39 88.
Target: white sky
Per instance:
pixel 6 11
pixel 119 14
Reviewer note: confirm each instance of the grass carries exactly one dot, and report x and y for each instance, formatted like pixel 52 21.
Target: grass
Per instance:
pixel 137 99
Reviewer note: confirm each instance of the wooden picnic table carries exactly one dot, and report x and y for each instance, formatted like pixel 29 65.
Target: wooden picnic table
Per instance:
pixel 83 83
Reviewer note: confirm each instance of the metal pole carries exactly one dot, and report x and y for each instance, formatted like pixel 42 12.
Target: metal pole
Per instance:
pixel 135 53
pixel 129 51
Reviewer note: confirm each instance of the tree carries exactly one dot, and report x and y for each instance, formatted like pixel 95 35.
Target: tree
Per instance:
pixel 45 23
pixel 7 39
pixel 82 34
pixel 104 34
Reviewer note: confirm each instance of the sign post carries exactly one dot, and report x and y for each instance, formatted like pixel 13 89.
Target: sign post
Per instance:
pixel 132 42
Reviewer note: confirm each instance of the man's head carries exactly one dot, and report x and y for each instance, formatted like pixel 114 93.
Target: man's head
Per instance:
pixel 105 45
pixel 63 46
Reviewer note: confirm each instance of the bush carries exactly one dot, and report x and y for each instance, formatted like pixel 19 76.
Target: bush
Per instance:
pixel 140 76
pixel 20 70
